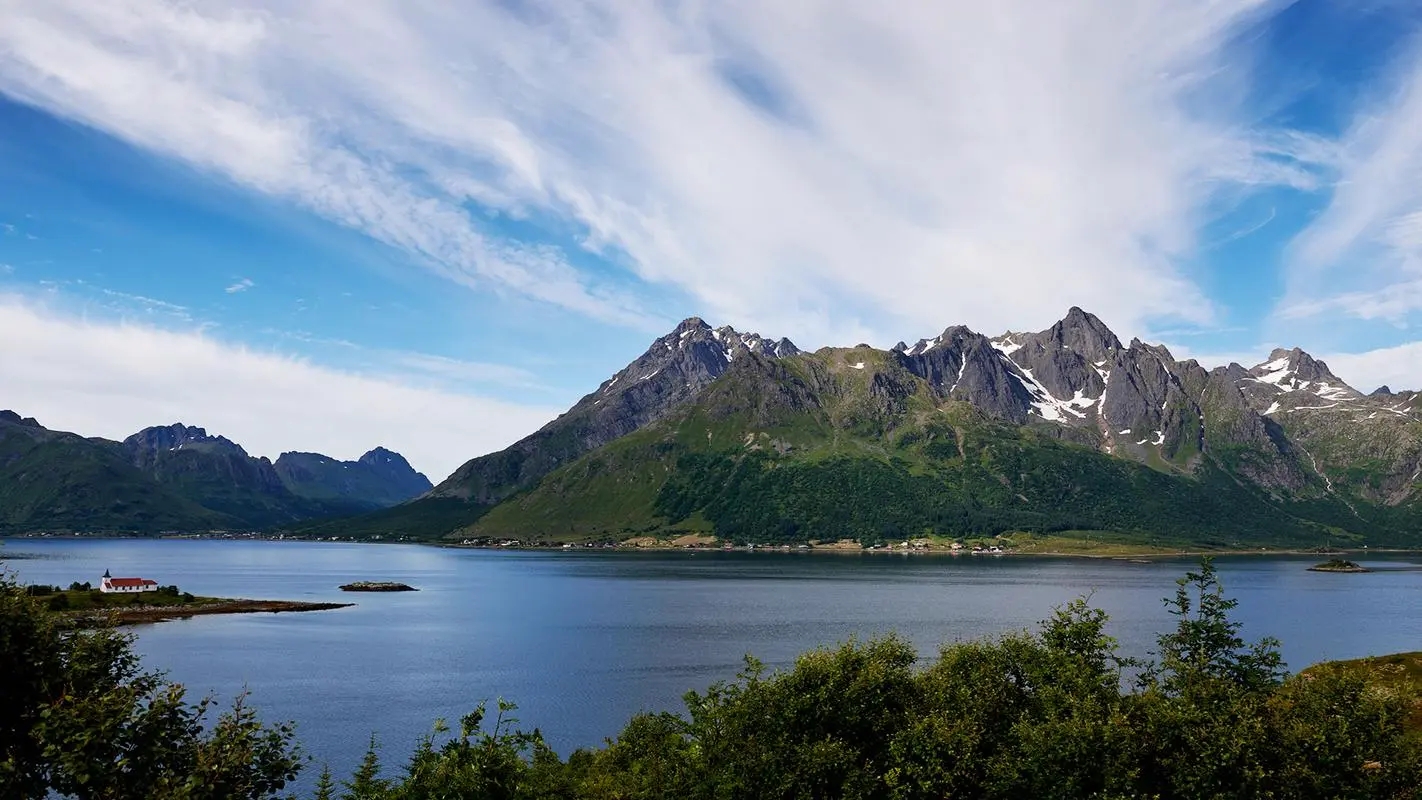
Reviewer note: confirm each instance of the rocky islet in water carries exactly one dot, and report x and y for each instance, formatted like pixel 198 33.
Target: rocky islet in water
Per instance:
pixel 377 586
pixel 1338 565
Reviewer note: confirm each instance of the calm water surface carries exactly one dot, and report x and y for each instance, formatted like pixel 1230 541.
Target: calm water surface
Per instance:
pixel 582 640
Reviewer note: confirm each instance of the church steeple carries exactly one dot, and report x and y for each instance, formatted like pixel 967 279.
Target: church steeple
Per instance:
pixel 106 574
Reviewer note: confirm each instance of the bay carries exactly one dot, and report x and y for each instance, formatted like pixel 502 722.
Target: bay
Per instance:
pixel 582 640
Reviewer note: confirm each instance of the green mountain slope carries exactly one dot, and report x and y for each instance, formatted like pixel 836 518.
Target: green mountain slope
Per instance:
pixel 178 478
pixel 1066 429
pixel 54 481
pixel 847 444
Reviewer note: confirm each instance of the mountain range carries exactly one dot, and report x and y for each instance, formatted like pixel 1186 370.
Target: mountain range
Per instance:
pixel 1066 430
pixel 180 478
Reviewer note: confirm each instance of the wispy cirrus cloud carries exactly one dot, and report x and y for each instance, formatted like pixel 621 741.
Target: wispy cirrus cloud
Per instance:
pixel 443 370
pixel 815 168
pixel 241 285
pixel 208 84
pixel 144 302
pixel 1362 256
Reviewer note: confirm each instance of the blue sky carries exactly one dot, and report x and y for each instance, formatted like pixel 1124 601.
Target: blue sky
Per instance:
pixel 325 226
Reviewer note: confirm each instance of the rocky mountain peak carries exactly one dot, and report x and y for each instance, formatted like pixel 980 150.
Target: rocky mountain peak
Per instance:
pixel 954 335
pixel 1160 351
pixel 1381 391
pixel 674 369
pixel 379 455
pixel 694 354
pixel 389 462
pixel 175 436
pixel 15 419
pixel 1084 333
pixel 1295 370
pixel 691 324
pixel 379 479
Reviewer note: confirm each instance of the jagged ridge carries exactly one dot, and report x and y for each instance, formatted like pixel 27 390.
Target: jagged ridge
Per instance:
pixel 1074 382
pixel 178 478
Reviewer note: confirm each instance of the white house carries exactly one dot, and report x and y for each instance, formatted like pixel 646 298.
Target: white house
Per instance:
pixel 112 584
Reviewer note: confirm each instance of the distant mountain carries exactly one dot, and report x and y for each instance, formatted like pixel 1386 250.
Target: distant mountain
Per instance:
pixel 55 481
pixel 178 478
pixel 1066 429
pixel 379 479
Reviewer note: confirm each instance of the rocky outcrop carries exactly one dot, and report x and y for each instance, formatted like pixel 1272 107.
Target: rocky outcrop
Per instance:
pixel 676 368
pixel 183 454
pixel 15 419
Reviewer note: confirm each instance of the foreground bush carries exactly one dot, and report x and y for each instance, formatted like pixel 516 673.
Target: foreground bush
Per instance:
pixel 1037 715
pixel 79 717
pixel 1040 715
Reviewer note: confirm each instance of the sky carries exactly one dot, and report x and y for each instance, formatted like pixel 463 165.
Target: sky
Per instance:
pixel 325 226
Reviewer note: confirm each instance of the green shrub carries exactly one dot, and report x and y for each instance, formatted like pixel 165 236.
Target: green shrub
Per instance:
pixel 1028 715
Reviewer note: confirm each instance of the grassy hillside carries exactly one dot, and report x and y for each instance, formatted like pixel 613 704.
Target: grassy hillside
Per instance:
pixel 425 518
pixel 61 482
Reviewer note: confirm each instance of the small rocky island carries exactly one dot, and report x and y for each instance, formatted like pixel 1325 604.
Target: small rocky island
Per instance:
pixel 1338 565
pixel 377 586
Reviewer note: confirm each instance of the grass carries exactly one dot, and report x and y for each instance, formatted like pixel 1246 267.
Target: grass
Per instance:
pixel 1399 675
pixel 85 600
pixel 1085 543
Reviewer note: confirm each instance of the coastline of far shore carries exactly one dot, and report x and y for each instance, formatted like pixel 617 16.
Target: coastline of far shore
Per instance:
pixel 1034 545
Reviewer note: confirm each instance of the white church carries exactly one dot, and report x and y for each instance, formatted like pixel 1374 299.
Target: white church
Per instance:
pixel 111 584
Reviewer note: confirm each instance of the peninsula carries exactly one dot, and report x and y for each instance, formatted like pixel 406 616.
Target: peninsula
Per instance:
pixel 89 607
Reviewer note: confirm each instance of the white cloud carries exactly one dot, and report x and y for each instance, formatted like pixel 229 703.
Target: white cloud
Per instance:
pixel 1397 367
pixel 240 286
pixel 216 87
pixel 452 371
pixel 817 168
pixel 111 379
pixel 1363 255
pixel 1210 360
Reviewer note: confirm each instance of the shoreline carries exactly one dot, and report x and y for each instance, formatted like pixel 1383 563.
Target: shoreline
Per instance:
pixel 1118 552
pixel 1125 553
pixel 148 615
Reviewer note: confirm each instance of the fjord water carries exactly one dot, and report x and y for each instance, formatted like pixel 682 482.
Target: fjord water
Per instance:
pixel 582 640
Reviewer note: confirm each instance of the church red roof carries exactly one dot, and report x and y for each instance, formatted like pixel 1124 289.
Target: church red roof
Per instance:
pixel 124 583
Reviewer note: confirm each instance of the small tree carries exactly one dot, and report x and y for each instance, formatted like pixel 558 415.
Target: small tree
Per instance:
pixel 1205 650
pixel 366 783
